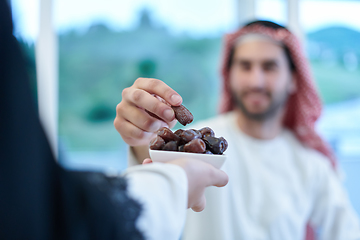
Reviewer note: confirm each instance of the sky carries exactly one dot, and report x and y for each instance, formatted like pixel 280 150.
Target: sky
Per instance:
pixel 194 17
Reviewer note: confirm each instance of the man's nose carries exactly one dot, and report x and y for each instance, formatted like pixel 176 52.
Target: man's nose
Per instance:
pixel 256 78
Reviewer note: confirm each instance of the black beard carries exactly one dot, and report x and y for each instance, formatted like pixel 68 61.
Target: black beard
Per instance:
pixel 270 112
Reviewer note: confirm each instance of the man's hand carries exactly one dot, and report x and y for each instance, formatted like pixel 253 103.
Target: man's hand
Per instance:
pixel 139 115
pixel 200 175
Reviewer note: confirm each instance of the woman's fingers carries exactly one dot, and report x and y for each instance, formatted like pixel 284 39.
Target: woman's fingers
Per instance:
pixel 218 178
pixel 147 161
pixel 200 175
pixel 200 206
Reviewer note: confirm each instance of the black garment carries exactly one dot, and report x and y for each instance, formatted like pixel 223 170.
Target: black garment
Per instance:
pixel 39 199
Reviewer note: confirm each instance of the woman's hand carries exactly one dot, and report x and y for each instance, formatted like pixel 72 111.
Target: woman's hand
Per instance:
pixel 200 175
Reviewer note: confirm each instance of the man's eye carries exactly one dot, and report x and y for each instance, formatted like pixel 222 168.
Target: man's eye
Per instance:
pixel 245 66
pixel 269 67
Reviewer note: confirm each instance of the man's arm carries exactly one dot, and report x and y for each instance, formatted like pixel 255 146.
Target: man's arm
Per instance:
pixel 138 154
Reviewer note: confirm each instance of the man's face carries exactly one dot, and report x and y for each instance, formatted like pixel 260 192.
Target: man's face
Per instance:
pixel 260 79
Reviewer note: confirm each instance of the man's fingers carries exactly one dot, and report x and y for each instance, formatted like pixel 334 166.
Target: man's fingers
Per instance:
pixel 131 134
pixel 172 123
pixel 159 88
pixel 143 99
pixel 139 118
pixel 200 206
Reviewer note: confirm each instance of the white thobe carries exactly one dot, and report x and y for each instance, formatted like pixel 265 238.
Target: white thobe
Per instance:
pixel 275 188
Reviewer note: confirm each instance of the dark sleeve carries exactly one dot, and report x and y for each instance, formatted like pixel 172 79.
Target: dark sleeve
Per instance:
pixel 97 207
pixel 39 199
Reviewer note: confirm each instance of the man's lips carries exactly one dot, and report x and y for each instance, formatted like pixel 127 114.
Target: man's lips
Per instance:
pixel 256 97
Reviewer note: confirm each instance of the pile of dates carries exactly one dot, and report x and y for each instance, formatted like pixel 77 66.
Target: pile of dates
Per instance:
pixel 192 140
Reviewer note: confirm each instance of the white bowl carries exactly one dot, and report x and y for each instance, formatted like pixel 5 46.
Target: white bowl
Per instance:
pixel 165 156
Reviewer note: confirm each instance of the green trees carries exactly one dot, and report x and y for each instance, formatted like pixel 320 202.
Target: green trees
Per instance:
pixel 96 65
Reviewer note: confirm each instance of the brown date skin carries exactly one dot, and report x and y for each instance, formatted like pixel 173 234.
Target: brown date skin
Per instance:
pixel 197 132
pixel 178 132
pixel 157 143
pixel 182 114
pixel 195 146
pixel 188 135
pixel 215 145
pixel 225 143
pixel 181 148
pixel 192 140
pixel 207 132
pixel 171 146
pixel 166 134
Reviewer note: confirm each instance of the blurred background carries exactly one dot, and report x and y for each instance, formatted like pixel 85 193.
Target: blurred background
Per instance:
pixel 100 47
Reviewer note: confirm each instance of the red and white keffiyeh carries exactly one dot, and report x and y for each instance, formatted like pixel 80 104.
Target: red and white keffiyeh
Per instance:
pixel 303 107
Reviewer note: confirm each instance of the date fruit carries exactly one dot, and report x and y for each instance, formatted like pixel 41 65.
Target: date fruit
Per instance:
pixel 166 134
pixel 191 140
pixel 179 131
pixel 195 146
pixel 171 146
pixel 188 135
pixel 206 132
pixel 157 143
pixel 215 145
pixel 182 114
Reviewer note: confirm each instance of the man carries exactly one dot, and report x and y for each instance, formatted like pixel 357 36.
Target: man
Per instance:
pixel 283 177
pixel 40 200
